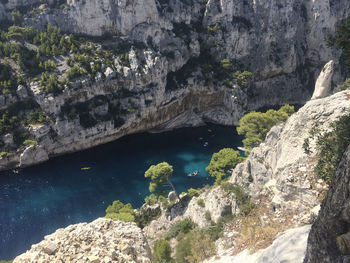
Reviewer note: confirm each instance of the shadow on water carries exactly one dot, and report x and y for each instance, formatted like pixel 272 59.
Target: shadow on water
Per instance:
pixel 43 198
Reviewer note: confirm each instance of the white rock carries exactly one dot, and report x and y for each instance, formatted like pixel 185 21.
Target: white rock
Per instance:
pixel 323 83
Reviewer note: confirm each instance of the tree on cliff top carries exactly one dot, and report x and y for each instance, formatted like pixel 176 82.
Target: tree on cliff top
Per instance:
pixel 255 125
pixel 160 174
pixel 221 162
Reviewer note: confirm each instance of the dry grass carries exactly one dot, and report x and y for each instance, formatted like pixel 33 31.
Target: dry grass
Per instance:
pixel 259 228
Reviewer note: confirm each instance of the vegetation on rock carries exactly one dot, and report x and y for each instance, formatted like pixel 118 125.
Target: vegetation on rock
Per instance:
pixel 222 162
pixel 159 175
pixel 255 125
pixel 119 211
pixel 162 251
pixel 330 147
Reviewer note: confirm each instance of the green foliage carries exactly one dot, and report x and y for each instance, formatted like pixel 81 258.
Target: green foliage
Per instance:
pixel 243 78
pixel 194 247
pixel 215 230
pixel 29 142
pixel 119 211
pixel 37 116
pixel 242 198
pixel 255 125
pixel 145 216
pixel 151 199
pixel 183 249
pixel 212 30
pixel 202 247
pixel 344 86
pixel 75 72
pixel 193 192
pixel 207 215
pixel 221 162
pixel 342 39
pixel 5 154
pixel 200 202
pixel 49 83
pixel 17 18
pixel 8 123
pixel 331 146
pixel 159 175
pixel 184 226
pixel 162 251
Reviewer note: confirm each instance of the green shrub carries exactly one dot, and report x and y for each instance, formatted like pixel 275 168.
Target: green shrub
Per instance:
pixel 242 198
pixel 194 247
pixel 222 162
pixel 146 216
pixel 200 202
pixel 215 230
pixel 183 226
pixel 202 247
pixel 192 192
pixel 37 116
pixel 29 142
pixel 331 146
pixel 183 249
pixel 151 199
pixel 119 211
pixel 255 125
pixel 342 39
pixel 207 215
pixel 162 251
pixel 344 86
pixel 5 154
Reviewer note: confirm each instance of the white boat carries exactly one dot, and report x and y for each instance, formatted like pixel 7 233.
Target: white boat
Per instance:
pixel 195 173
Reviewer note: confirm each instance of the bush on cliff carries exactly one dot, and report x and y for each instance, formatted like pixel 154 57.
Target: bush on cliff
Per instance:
pixel 162 251
pixel 330 146
pixel 119 211
pixel 255 125
pixel 221 163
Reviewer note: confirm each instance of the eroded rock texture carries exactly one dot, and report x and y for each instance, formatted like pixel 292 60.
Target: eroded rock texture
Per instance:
pixel 333 219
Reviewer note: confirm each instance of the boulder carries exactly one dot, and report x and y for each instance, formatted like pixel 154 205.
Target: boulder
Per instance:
pixel 33 155
pixel 323 83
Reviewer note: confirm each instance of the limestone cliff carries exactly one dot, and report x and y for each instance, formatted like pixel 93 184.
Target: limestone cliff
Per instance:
pixel 169 79
pixel 333 220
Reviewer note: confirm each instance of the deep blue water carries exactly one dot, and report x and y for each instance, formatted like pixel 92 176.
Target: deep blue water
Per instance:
pixel 43 198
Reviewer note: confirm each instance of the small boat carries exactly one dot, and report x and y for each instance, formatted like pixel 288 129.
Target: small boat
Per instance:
pixel 205 144
pixel 241 149
pixel 85 168
pixel 195 173
pixel 15 171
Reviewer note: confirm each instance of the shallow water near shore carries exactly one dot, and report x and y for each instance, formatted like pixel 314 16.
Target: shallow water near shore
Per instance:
pixel 57 193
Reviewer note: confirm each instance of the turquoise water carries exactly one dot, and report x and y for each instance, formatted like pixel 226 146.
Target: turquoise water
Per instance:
pixel 43 198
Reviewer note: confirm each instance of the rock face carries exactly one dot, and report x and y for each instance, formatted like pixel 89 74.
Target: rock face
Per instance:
pixel 288 247
pixel 323 83
pixel 280 162
pixel 165 84
pixel 102 240
pixel 333 219
pixel 33 154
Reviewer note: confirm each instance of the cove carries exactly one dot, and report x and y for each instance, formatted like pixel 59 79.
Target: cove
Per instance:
pixel 57 193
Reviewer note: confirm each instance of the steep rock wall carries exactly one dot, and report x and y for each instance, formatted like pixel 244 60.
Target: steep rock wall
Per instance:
pixel 333 219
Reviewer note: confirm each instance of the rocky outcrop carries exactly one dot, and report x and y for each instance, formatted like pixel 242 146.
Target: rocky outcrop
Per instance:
pixel 288 247
pixel 333 219
pixel 102 240
pixel 323 83
pixel 33 154
pixel 281 164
